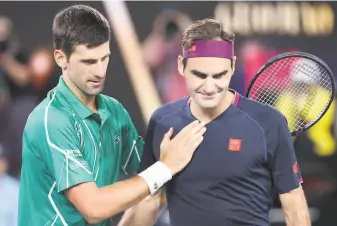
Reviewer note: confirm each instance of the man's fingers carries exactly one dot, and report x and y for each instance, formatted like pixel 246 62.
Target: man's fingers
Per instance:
pixel 187 136
pixel 197 128
pixel 201 131
pixel 192 128
pixel 187 129
pixel 198 132
pixel 168 134
pixel 196 137
pixel 197 142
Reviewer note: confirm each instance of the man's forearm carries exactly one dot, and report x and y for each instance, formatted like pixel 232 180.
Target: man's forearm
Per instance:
pixel 146 212
pixel 97 204
pixel 115 198
pixel 295 208
pixel 298 217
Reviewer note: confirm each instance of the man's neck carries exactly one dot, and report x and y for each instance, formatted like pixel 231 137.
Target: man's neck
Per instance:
pixel 88 101
pixel 207 115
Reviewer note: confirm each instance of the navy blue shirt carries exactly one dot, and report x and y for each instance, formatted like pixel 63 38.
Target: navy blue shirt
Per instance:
pixel 246 156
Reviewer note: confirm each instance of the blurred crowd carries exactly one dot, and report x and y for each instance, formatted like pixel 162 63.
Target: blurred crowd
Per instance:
pixel 25 77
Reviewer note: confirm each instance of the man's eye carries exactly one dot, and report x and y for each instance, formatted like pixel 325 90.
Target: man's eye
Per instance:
pixel 218 76
pixel 88 61
pixel 202 76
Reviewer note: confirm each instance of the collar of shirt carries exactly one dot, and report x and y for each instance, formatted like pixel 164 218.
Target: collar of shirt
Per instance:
pixel 82 110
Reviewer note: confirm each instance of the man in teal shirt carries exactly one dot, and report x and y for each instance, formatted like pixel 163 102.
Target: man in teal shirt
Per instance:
pixel 75 145
pixel 77 142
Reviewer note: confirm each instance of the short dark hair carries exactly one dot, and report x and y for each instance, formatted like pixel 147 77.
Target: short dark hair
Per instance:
pixel 205 29
pixel 79 25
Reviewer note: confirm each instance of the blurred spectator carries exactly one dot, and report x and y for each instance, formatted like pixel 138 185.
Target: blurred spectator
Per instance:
pixel 43 71
pixel 161 49
pixel 13 61
pixel 254 54
pixel 9 193
pixel 25 80
pixel 17 93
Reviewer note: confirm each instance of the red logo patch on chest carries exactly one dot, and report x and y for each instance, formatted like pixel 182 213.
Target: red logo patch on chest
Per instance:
pixel 234 144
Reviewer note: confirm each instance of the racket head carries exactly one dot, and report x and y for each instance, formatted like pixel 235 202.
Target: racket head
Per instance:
pixel 316 73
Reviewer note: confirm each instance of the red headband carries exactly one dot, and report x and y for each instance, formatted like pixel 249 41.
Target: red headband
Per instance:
pixel 210 48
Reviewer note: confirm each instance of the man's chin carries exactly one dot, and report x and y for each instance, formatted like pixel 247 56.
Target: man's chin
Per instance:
pixel 93 91
pixel 208 104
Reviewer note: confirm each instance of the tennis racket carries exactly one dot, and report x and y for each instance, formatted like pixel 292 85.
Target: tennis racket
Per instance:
pixel 300 85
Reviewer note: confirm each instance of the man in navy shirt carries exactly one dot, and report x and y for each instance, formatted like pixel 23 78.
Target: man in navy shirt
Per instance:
pixel 246 156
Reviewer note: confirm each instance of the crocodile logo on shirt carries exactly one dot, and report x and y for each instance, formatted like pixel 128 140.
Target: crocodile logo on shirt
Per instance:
pixel 117 139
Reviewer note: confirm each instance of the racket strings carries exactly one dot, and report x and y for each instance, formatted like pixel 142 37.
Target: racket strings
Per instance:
pixel 271 95
pixel 300 88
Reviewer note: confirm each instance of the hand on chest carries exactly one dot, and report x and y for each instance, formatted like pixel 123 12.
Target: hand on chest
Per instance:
pixel 230 148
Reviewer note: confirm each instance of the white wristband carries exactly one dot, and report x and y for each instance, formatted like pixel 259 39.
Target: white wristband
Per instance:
pixel 156 176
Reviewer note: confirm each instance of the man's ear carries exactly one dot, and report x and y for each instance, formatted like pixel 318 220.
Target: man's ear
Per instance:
pixel 233 64
pixel 60 59
pixel 180 65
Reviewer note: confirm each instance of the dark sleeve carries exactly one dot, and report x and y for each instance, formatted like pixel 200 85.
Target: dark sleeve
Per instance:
pixel 286 172
pixel 148 157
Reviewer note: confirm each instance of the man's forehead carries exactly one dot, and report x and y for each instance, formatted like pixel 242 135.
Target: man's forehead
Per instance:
pixel 82 51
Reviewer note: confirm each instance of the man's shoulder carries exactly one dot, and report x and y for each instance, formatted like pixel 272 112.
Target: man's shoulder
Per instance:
pixel 46 114
pixel 168 109
pixel 259 110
